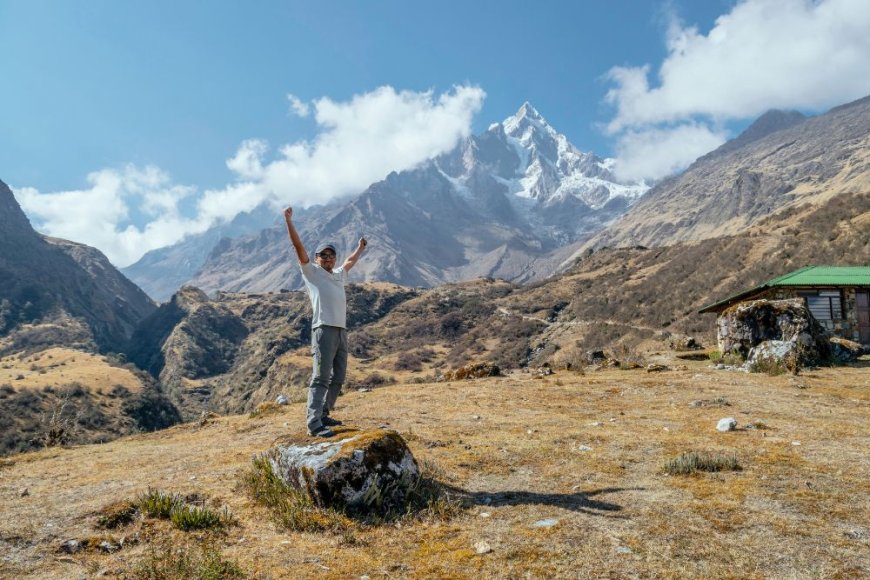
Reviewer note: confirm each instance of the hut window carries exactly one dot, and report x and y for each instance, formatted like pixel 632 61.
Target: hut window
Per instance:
pixel 825 305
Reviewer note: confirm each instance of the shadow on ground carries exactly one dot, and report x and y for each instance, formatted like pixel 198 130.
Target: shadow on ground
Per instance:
pixel 581 501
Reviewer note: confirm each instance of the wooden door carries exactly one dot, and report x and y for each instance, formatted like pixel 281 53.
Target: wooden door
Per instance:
pixel 862 305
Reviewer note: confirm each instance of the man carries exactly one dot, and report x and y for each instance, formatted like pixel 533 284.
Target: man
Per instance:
pixel 325 284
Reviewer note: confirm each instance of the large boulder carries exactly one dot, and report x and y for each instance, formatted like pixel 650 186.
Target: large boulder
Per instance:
pixel 749 324
pixel 361 470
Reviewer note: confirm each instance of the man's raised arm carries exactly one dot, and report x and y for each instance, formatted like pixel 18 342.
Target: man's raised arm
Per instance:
pixel 351 260
pixel 294 237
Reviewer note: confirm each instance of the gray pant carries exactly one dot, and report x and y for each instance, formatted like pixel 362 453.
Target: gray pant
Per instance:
pixel 329 346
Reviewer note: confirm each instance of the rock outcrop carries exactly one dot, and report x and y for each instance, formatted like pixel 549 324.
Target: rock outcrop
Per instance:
pixel 369 471
pixel 764 330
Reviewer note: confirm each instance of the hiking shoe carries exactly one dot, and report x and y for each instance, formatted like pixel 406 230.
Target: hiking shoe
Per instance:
pixel 330 422
pixel 321 432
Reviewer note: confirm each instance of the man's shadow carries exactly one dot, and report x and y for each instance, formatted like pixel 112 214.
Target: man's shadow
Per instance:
pixel 581 501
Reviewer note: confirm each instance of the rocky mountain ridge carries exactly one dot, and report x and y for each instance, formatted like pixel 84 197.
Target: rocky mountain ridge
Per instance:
pixel 508 203
pixel 781 161
pixel 46 279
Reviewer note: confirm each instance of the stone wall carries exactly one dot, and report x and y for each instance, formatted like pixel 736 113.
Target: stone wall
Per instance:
pixel 845 328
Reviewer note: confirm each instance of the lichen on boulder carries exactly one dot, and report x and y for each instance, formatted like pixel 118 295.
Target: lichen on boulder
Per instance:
pixel 369 471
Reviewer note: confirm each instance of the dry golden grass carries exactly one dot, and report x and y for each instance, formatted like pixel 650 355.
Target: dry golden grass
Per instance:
pixel 60 366
pixel 584 450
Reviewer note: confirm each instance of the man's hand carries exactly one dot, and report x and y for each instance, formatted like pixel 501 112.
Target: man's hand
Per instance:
pixel 294 237
pixel 351 260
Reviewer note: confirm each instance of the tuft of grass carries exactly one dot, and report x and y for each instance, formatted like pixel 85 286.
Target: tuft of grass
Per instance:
pixel 775 367
pixel 693 462
pixel 188 518
pixel 290 508
pixel 117 514
pixel 729 358
pixel 167 506
pixel 166 560
pixel 158 504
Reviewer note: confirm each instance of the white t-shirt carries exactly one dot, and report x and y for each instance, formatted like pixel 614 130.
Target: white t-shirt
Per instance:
pixel 326 290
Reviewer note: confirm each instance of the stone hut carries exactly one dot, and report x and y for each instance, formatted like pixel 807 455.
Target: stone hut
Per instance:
pixel 837 296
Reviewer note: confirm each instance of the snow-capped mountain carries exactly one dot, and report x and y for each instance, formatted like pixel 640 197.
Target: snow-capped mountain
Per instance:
pixel 510 203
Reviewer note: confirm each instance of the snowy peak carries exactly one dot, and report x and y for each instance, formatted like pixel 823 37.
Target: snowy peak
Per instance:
pixel 552 170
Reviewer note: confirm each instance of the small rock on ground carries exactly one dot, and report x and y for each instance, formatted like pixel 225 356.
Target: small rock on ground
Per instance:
pixel 726 424
pixel 482 547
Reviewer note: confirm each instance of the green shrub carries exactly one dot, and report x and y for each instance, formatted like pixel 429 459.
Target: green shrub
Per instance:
pixel 157 504
pixel 189 518
pixel 693 462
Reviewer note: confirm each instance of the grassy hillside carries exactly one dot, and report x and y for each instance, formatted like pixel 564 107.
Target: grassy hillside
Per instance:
pixel 62 396
pixel 561 476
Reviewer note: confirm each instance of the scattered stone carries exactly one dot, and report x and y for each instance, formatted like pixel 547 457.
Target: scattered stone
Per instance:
pixel 71 547
pixel 476 417
pixel 484 514
pixel 373 470
pixel 757 424
pixel 547 523
pixel 473 371
pixel 844 350
pixel 684 343
pixel 584 448
pixel 595 424
pixel 593 357
pixel 796 443
pixel 656 368
pixel 282 400
pixel 482 547
pixel 364 390
pixel 108 547
pixel 726 424
pixel 544 371
pixel 623 550
pixel 23 492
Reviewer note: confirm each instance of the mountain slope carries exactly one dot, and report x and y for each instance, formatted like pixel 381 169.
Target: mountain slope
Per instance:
pixel 778 162
pixel 45 278
pixel 163 271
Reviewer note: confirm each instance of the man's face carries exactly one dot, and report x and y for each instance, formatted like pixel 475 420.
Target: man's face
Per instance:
pixel 326 260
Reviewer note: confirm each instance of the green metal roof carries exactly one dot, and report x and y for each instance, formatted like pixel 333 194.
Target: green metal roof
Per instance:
pixel 807 276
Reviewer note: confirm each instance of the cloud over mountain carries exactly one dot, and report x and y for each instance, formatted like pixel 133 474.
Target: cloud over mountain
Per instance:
pixel 763 54
pixel 358 142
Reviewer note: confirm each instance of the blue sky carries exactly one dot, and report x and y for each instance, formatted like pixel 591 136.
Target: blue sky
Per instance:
pixel 138 105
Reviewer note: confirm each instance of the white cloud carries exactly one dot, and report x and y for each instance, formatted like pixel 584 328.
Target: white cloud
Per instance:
pixel 764 54
pixel 658 152
pixel 100 216
pixel 359 142
pixel 299 108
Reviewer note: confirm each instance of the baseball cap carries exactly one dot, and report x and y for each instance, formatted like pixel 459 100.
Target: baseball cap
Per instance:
pixel 326 245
